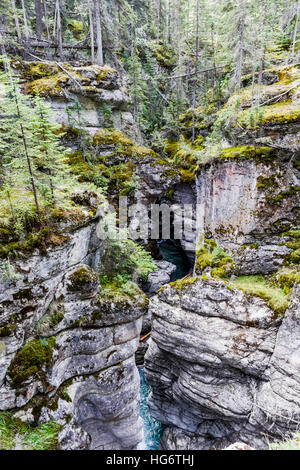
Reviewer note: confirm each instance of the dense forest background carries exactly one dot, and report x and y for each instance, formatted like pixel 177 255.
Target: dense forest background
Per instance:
pixel 177 53
pixel 188 66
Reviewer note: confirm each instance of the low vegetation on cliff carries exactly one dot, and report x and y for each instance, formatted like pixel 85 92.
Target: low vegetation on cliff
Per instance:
pixel 17 435
pixel 193 101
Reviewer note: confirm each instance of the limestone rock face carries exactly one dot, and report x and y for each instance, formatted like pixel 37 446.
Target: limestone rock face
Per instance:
pixel 156 181
pixel 91 88
pixel 222 368
pixel 159 277
pixel 67 354
pixel 186 197
pixel 250 208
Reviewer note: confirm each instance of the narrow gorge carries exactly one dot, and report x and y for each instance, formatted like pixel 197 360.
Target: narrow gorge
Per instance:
pixel 116 333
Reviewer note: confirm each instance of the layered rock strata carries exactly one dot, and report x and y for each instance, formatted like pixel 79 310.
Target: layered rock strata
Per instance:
pixel 222 368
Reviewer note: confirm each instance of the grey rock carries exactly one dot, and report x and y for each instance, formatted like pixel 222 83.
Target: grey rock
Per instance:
pixel 92 376
pixel 222 368
pixel 159 277
pixel 236 206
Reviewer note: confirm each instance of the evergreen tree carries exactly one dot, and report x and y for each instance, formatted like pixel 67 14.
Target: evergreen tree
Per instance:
pixel 30 150
pixel 49 154
pixel 17 133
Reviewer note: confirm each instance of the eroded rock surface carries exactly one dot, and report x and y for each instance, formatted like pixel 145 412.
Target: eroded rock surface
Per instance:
pixel 250 208
pixel 222 368
pixel 66 353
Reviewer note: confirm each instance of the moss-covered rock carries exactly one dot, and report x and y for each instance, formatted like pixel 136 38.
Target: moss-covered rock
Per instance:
pixel 248 152
pixel 121 296
pixel 283 112
pixel 76 28
pixel 28 362
pixel 122 145
pixel 47 87
pixel 286 279
pixel 211 257
pixel 260 286
pixel 182 284
pixel 83 278
pixel 164 54
pixel 55 80
pixel 114 167
pixel 40 240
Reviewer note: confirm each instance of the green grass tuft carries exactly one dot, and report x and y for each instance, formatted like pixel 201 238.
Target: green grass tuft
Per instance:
pixel 276 297
pixel 13 430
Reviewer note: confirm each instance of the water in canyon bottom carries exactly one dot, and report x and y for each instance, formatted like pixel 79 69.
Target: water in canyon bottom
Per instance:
pixel 152 428
pixel 172 251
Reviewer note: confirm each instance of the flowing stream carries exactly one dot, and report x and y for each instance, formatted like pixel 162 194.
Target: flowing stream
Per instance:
pixel 171 251
pixel 152 428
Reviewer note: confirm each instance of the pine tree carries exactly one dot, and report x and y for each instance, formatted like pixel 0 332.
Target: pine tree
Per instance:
pixel 49 153
pixel 17 132
pixel 30 150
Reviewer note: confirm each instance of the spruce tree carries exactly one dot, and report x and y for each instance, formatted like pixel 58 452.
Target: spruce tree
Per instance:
pixel 49 154
pixel 18 135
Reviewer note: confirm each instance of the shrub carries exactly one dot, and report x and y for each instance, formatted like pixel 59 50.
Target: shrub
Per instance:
pixel 125 260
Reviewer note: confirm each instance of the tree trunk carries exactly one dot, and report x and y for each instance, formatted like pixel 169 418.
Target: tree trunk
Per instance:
pixel 15 13
pixel 169 22
pixel 2 44
pixel 91 19
pixel 241 43
pixel 295 31
pixel 26 30
pixel 39 18
pixel 263 50
pixel 3 52
pixel 99 33
pixel 196 69
pixel 46 20
pixel 59 33
pixel 159 18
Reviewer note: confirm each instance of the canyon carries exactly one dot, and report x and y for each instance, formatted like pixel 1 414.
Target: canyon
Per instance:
pixel 223 362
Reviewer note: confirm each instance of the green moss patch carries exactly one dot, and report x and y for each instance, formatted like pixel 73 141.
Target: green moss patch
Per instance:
pixel 35 240
pixel 76 28
pixel 248 152
pixel 182 284
pixel 47 87
pixel 259 286
pixel 82 278
pixel 29 360
pixel 210 255
pixel 283 112
pixel 286 278
pixel 123 145
pixel 283 195
pixel 123 295
pixel 48 79
pixel 115 172
pixel 164 54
